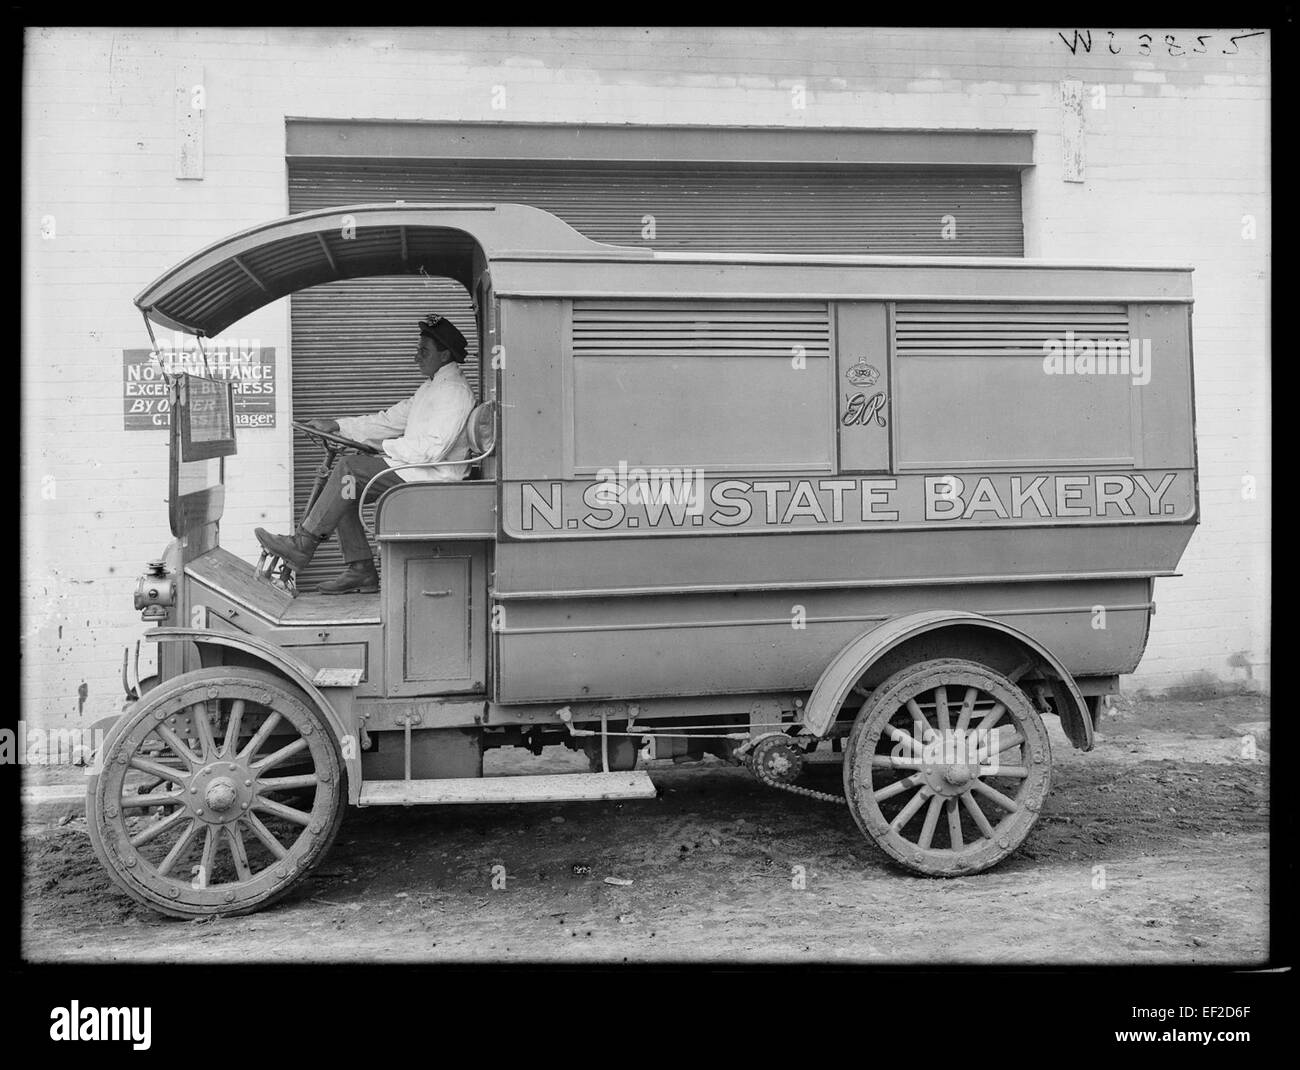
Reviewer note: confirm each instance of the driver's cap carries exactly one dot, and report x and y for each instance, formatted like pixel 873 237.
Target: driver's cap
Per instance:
pixel 446 334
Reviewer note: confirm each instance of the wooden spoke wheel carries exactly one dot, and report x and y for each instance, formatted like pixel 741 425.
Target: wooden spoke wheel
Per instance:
pixel 947 766
pixel 216 793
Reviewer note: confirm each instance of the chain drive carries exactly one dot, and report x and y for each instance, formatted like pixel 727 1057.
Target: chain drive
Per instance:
pixel 809 793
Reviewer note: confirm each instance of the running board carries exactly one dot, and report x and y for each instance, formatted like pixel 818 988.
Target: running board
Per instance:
pixel 560 787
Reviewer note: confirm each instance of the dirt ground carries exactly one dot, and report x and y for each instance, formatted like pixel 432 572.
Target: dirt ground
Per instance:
pixel 1151 848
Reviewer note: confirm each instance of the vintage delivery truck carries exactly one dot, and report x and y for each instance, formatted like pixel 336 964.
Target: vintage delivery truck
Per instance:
pixel 742 505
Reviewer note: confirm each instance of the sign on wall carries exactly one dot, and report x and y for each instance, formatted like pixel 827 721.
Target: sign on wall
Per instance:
pixel 145 405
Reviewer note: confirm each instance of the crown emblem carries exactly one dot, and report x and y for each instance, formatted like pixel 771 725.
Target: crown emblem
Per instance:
pixel 862 373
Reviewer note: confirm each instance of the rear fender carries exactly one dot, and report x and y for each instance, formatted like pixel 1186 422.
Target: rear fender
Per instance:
pixel 295 671
pixel 848 666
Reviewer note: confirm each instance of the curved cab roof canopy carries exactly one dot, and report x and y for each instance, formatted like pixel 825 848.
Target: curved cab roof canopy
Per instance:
pixel 221 284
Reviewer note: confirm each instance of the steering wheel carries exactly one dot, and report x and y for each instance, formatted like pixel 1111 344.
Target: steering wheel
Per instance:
pixel 329 438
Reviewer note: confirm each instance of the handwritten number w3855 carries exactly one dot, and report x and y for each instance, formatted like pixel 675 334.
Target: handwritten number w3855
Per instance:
pixel 1082 41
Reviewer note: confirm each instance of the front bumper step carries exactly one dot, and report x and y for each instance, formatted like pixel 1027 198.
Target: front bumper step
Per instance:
pixel 559 787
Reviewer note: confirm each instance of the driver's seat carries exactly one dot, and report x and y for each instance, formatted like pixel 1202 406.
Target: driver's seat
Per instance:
pixel 481 436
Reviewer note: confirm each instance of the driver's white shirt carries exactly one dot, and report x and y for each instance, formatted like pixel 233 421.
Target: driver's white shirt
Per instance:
pixel 427 426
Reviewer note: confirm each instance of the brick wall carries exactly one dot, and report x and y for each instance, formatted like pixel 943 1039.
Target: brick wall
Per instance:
pixel 1173 161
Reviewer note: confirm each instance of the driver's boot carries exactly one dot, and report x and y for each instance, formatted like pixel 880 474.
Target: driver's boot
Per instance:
pixel 295 550
pixel 361 577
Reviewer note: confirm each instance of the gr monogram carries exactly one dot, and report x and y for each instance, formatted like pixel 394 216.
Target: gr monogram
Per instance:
pixel 861 409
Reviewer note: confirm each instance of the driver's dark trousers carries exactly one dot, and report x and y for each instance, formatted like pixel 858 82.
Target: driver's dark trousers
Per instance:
pixel 336 507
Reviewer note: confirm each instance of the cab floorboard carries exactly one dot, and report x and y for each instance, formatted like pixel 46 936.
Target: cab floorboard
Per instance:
pixel 235 578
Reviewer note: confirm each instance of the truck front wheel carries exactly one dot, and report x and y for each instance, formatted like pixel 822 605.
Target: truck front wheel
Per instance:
pixel 216 793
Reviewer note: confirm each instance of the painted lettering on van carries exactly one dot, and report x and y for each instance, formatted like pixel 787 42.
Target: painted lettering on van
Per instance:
pixel 594 506
pixel 946 497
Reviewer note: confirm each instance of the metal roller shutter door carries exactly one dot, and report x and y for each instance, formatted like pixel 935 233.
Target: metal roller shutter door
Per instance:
pixel 813 210
pixel 353 342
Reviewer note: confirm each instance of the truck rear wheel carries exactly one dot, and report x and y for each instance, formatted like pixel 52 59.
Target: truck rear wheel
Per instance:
pixel 947 766
pixel 192 810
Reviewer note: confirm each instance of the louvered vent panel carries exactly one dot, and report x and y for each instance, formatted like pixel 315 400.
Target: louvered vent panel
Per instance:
pixel 700 328
pixel 701 383
pixel 972 390
pixel 1001 330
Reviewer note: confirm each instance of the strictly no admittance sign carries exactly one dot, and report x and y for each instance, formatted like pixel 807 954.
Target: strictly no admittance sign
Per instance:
pixel 145 404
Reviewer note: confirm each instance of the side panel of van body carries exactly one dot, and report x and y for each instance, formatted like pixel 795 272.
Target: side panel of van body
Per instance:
pixel 705 495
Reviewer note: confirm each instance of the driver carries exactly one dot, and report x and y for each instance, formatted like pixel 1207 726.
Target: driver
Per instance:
pixel 428 426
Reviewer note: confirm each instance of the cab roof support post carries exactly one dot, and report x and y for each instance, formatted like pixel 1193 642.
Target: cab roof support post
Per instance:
pixel 198 337
pixel 153 342
pixel 149 327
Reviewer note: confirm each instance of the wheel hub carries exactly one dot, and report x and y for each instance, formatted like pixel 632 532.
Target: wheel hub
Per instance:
pixel 950 779
pixel 220 792
pixel 949 765
pixel 958 775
